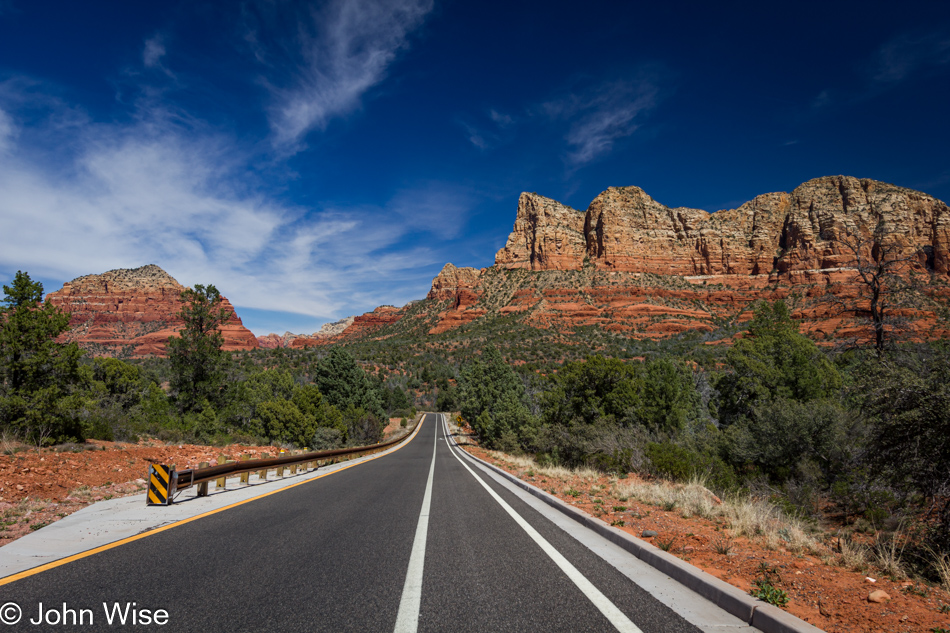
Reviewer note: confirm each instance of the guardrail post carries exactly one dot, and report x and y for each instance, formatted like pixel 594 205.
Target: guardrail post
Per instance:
pixel 281 468
pixel 245 477
pixel 293 467
pixel 203 486
pixel 221 482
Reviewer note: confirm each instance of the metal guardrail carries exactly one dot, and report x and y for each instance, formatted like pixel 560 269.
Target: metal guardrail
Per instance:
pixel 178 480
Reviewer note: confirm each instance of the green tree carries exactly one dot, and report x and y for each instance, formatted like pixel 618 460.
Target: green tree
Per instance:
pixel 344 383
pixel 907 398
pixel 594 388
pixel 774 361
pixel 491 398
pixel 669 398
pixel 197 361
pixel 38 376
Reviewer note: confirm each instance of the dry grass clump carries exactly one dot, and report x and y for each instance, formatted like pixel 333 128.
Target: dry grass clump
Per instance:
pixel 888 553
pixel 754 518
pixel 587 474
pixel 759 518
pixel 852 555
pixel 942 565
pixel 521 462
pixel 691 499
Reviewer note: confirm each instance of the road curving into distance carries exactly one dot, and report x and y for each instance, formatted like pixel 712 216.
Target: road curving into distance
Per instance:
pixel 421 539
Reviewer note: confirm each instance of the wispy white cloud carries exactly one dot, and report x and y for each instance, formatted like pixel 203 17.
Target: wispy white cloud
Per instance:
pixel 7 132
pixel 494 128
pixel 343 49
pixel 153 52
pixel 434 208
pixel 503 120
pixel 88 197
pixel 481 139
pixel 598 117
pixel 908 53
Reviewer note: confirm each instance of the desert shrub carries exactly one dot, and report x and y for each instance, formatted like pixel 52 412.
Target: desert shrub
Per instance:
pixel 779 434
pixel 326 438
pixel 363 427
pixel 682 464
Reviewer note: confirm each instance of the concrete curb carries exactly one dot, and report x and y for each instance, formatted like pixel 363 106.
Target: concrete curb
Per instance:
pixel 755 612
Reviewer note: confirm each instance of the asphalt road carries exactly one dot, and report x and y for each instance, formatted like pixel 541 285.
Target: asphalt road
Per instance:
pixel 343 553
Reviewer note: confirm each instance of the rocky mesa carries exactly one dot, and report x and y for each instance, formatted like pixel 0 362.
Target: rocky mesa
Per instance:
pixel 133 313
pixel 624 229
pixel 632 264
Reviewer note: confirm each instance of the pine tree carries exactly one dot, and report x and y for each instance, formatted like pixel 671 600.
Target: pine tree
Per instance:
pixel 197 361
pixel 38 376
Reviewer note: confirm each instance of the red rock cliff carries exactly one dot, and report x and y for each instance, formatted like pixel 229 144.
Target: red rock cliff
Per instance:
pixel 624 229
pixel 133 312
pixel 629 263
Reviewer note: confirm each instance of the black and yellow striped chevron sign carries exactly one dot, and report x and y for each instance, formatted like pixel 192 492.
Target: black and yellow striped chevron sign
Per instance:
pixel 159 485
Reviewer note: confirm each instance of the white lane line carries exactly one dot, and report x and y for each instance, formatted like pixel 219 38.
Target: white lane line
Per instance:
pixel 616 617
pixel 407 621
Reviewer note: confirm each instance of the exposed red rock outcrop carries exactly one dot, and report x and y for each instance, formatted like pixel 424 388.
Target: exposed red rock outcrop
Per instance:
pixel 133 312
pixel 626 230
pixel 547 236
pixel 328 330
pixel 451 280
pixel 632 264
pixel 359 326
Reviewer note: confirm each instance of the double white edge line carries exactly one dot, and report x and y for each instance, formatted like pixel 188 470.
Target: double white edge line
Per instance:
pixel 407 621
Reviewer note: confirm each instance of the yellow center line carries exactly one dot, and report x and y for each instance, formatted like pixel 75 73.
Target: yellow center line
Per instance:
pixel 69 559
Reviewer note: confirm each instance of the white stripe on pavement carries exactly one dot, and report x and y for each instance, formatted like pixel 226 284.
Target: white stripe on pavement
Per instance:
pixel 407 621
pixel 616 617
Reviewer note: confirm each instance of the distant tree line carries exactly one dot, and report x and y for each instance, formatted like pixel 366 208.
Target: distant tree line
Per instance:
pixel 51 393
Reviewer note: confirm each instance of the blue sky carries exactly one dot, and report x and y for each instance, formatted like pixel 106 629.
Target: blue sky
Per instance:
pixel 316 160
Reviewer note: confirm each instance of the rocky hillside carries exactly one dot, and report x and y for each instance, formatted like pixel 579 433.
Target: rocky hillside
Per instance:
pixel 133 312
pixel 633 265
pixel 273 341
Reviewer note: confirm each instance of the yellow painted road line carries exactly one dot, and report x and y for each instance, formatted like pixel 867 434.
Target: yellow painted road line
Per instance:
pixel 69 559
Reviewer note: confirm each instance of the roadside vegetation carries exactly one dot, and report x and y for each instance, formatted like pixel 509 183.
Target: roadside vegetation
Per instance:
pixel 793 434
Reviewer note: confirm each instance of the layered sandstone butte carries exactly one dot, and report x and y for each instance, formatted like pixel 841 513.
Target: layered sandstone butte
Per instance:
pixel 630 263
pixel 133 312
pixel 547 236
pixel 624 229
